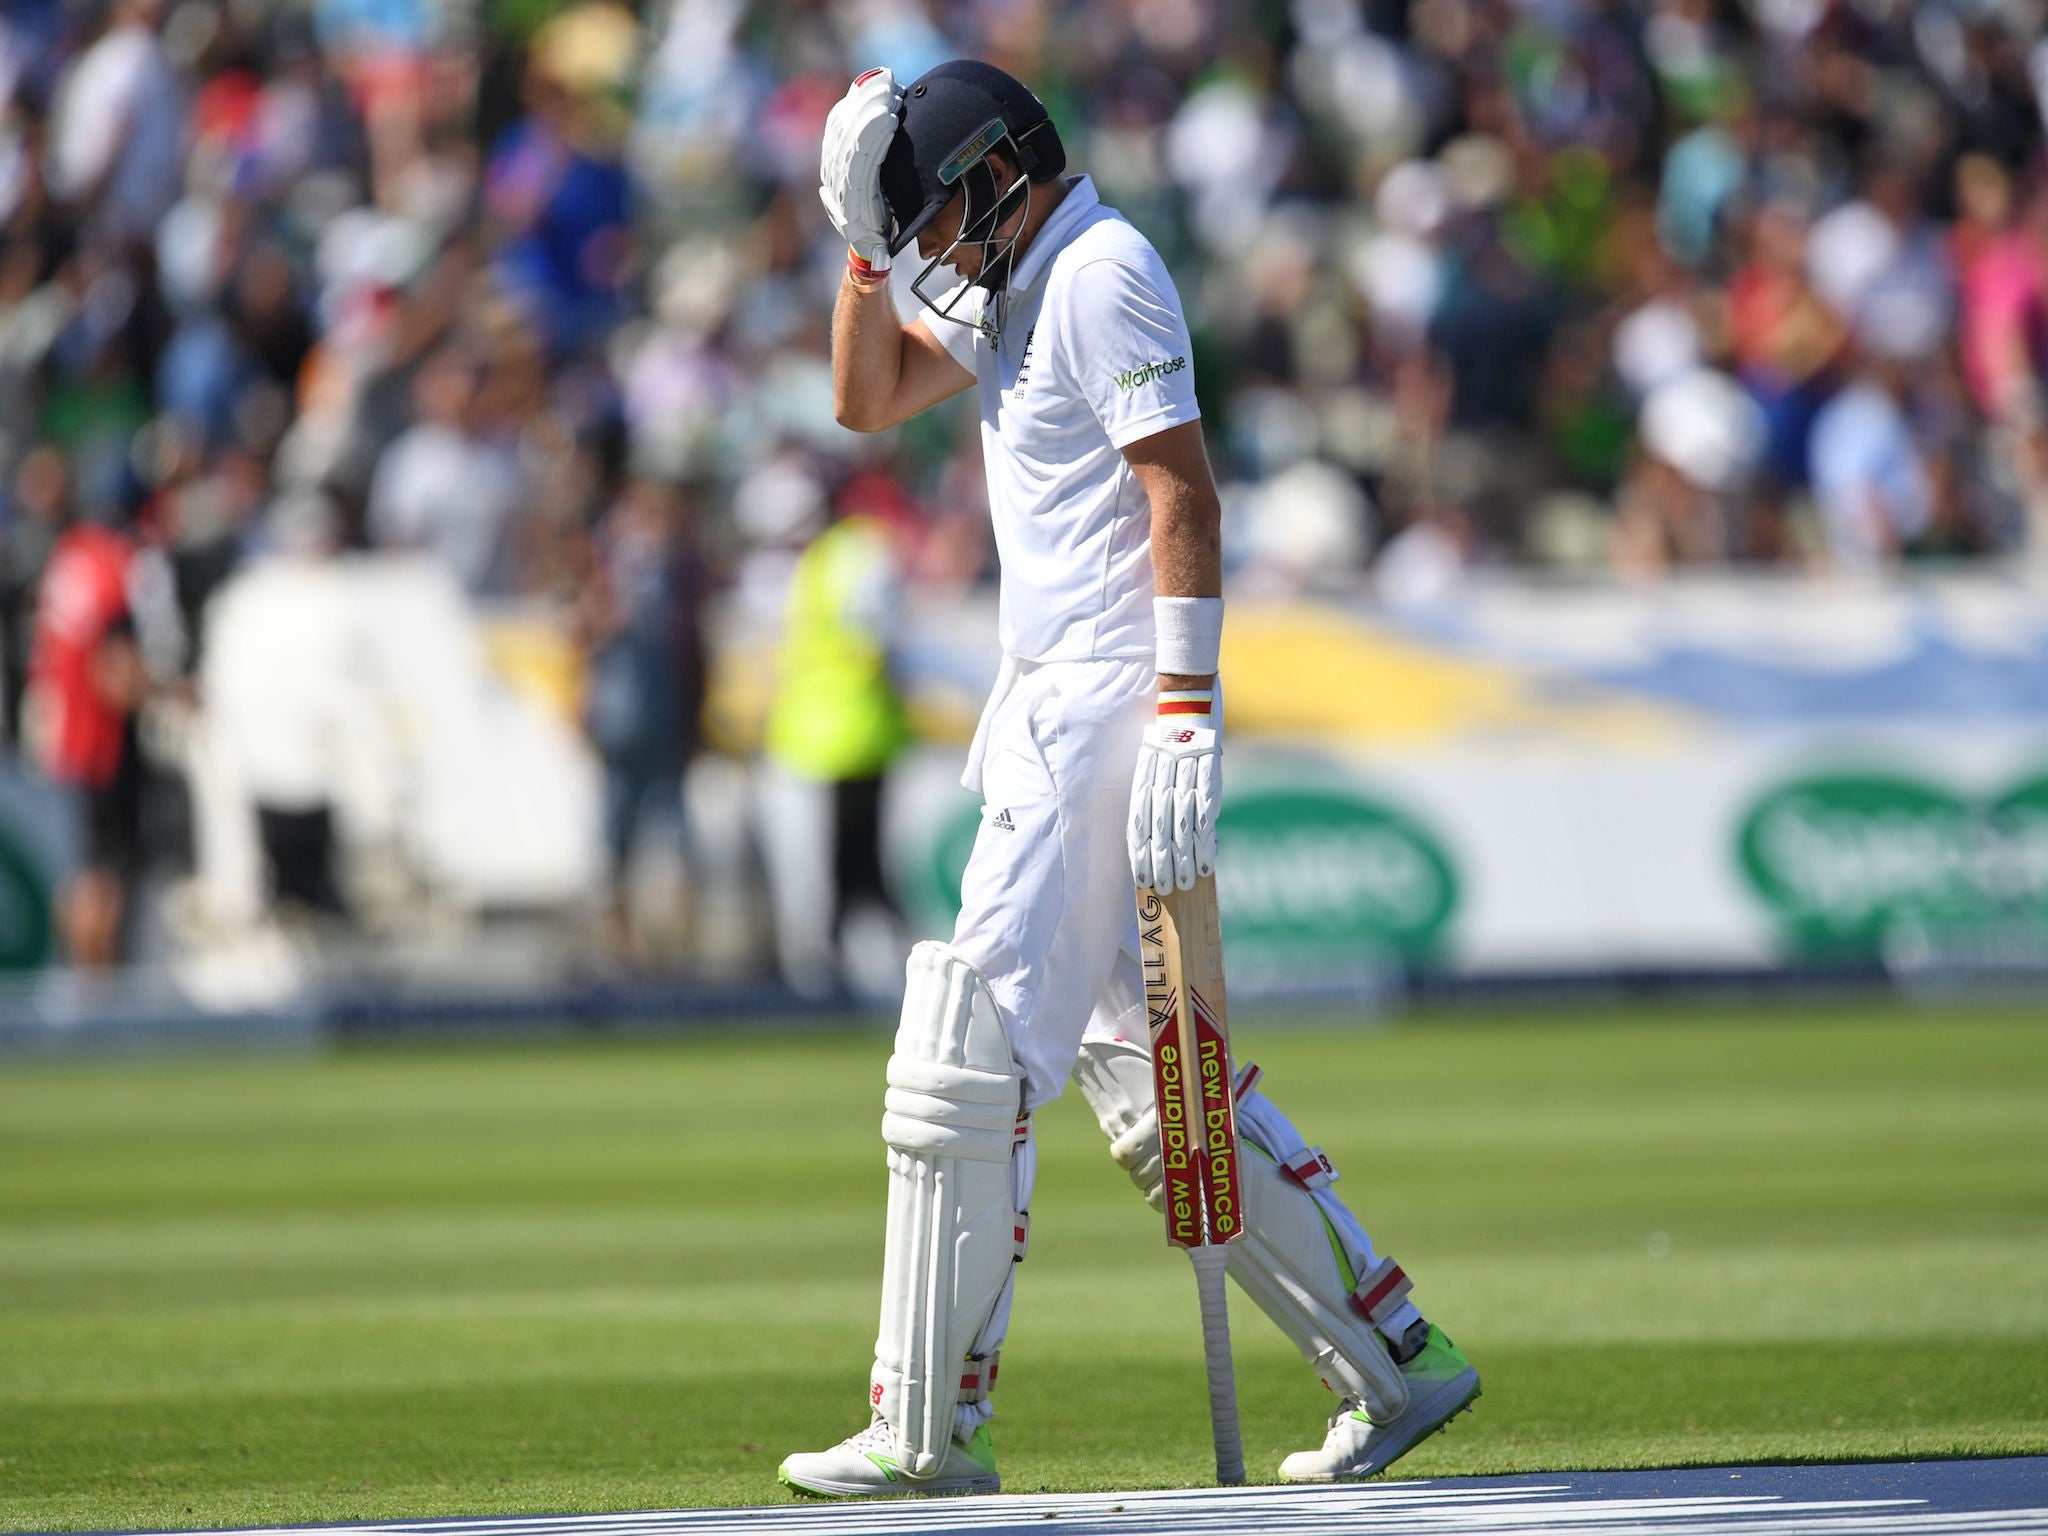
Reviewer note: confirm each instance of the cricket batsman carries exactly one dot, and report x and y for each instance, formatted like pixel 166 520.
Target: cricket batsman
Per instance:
pixel 1098 758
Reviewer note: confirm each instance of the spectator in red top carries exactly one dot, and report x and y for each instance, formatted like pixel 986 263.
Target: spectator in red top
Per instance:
pixel 1785 338
pixel 86 681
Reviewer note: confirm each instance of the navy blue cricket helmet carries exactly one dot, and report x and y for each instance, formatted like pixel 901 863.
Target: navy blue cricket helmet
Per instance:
pixel 953 115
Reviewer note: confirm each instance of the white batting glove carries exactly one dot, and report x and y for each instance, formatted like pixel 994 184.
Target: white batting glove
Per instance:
pixel 857 135
pixel 1175 793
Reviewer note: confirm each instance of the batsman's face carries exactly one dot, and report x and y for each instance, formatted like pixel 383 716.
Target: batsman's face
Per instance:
pixel 943 230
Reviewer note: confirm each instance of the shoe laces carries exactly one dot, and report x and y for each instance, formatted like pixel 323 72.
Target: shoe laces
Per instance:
pixel 1341 1416
pixel 878 1436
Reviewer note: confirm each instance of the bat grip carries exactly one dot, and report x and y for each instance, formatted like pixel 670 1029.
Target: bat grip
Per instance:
pixel 1209 1262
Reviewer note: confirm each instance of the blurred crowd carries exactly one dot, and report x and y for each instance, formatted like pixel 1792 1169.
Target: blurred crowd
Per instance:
pixel 542 292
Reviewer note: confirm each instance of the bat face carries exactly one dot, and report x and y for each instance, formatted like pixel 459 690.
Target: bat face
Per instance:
pixel 1180 945
pixel 1217 1130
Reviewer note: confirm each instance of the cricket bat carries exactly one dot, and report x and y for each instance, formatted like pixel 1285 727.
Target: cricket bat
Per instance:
pixel 1181 945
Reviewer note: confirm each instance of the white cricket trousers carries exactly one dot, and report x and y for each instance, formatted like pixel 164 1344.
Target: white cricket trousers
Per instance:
pixel 1048 913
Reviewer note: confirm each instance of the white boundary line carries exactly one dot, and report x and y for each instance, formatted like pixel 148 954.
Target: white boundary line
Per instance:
pixel 1381 1509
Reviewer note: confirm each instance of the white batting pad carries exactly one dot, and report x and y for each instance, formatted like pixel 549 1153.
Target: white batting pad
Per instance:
pixel 1284 1262
pixel 951 1123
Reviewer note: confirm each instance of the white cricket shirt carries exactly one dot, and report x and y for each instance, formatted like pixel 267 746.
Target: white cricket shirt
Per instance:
pixel 1093 356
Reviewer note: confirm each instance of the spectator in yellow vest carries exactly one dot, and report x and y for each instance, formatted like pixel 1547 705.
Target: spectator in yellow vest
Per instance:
pixel 835 726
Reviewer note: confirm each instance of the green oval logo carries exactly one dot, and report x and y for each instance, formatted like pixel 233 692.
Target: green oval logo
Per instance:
pixel 1329 870
pixel 1846 860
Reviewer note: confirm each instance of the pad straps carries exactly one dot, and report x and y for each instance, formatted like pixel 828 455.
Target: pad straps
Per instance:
pixel 1380 1292
pixel 1310 1169
pixel 978 1376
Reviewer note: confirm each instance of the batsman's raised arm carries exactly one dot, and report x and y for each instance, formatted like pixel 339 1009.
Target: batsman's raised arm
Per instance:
pixel 883 371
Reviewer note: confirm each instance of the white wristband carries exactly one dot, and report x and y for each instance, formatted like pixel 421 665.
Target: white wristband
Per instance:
pixel 1190 634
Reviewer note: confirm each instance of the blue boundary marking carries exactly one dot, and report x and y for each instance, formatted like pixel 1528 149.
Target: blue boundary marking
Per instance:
pixel 2006 1496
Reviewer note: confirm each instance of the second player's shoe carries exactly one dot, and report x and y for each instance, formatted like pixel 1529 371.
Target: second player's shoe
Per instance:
pixel 1441 1384
pixel 864 1466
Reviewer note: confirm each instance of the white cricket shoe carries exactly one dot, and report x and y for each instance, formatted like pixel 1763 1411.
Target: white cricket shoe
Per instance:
pixel 1441 1384
pixel 865 1465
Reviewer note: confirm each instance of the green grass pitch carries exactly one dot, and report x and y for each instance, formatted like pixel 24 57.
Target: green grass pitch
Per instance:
pixel 633 1274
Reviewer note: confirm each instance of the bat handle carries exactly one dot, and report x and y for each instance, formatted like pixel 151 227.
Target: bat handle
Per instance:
pixel 1209 1262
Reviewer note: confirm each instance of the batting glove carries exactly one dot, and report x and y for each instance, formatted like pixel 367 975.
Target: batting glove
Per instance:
pixel 1175 793
pixel 857 135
